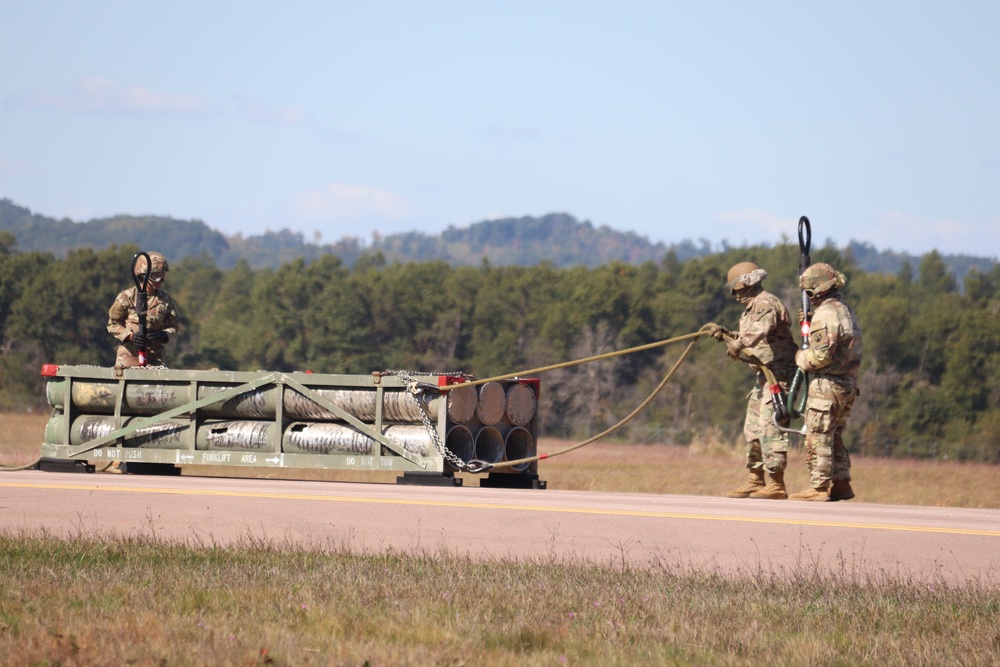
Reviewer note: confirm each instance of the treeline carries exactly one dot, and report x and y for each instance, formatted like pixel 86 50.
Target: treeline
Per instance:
pixel 930 384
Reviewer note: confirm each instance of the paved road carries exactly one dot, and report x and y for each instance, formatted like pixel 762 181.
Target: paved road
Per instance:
pixel 680 532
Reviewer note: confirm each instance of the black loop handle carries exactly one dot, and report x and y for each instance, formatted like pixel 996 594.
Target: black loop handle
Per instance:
pixel 805 243
pixel 144 281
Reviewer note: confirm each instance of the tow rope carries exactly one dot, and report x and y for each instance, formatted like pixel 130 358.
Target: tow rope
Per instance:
pixel 480 466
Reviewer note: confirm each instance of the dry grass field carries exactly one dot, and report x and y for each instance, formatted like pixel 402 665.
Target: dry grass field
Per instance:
pixel 709 468
pixel 138 601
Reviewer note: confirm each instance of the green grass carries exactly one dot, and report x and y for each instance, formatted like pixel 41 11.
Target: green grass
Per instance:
pixel 115 601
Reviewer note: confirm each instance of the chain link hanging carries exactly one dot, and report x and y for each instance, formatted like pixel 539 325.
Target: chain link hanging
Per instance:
pixel 414 388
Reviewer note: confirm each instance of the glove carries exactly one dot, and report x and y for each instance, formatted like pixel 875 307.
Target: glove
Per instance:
pixel 803 316
pixel 159 337
pixel 140 341
pixel 720 333
pixel 733 349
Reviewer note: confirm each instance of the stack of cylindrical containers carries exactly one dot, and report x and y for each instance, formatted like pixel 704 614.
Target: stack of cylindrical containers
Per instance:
pixel 493 422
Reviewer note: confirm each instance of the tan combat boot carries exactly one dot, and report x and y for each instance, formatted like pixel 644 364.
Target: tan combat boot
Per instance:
pixel 775 490
pixel 754 483
pixel 841 490
pixel 815 495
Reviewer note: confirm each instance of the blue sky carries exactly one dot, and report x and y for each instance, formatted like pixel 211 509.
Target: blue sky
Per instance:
pixel 722 121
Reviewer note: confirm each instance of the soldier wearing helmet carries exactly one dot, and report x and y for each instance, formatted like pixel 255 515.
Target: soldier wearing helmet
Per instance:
pixel 161 316
pixel 832 360
pixel 765 332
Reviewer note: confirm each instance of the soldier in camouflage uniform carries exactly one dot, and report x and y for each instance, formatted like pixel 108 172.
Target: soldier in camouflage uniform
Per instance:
pixel 161 317
pixel 832 361
pixel 765 332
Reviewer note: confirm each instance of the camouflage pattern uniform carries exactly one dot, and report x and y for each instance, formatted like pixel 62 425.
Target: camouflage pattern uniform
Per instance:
pixel 765 332
pixel 161 315
pixel 832 361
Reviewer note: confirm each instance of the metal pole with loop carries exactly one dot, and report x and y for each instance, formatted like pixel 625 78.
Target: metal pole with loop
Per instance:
pixel 800 382
pixel 141 283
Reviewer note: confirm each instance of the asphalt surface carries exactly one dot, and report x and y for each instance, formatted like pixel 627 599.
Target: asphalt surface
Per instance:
pixel 863 541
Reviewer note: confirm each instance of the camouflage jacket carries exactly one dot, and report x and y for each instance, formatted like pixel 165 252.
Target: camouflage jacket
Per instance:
pixel 834 342
pixel 765 331
pixel 123 319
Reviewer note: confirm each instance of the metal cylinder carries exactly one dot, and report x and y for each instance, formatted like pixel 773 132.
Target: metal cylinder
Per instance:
pixel 521 404
pixel 519 444
pixel 333 438
pixel 97 397
pixel 170 434
pixel 252 436
pixel 489 444
pixel 260 403
pixel 459 441
pixel 139 399
pixel 397 406
pixel 55 392
pixel 492 403
pixel 462 404
pixel 325 438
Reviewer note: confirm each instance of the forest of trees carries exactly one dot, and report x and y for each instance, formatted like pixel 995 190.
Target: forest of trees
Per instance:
pixel 930 382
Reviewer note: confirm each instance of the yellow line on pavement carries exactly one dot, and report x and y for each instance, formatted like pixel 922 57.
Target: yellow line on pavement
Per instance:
pixel 492 506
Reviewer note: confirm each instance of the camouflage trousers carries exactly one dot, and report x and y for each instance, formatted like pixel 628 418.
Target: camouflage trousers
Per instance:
pixel 126 358
pixel 828 407
pixel 767 447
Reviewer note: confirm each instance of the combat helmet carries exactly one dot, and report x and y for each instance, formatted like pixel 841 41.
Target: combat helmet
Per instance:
pixel 158 267
pixel 743 275
pixel 820 279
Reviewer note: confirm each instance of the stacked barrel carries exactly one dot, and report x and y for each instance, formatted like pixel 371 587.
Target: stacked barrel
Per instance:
pixel 310 420
pixel 503 420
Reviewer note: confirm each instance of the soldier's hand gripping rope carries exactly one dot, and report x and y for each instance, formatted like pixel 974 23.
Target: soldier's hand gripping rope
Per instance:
pixel 781 416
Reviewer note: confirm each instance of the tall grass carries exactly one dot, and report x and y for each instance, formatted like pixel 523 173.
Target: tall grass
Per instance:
pixel 140 601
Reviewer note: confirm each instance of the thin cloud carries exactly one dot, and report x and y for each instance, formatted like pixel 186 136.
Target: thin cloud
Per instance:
pixel 13 168
pixel 347 201
pixel 947 235
pixel 255 111
pixel 509 133
pixel 99 95
pixel 78 213
pixel 759 221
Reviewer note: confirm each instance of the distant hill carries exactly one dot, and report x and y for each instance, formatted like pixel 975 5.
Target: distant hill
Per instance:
pixel 873 260
pixel 558 238
pixel 38 232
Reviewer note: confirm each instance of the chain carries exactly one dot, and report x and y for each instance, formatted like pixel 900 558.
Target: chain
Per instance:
pixel 414 388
